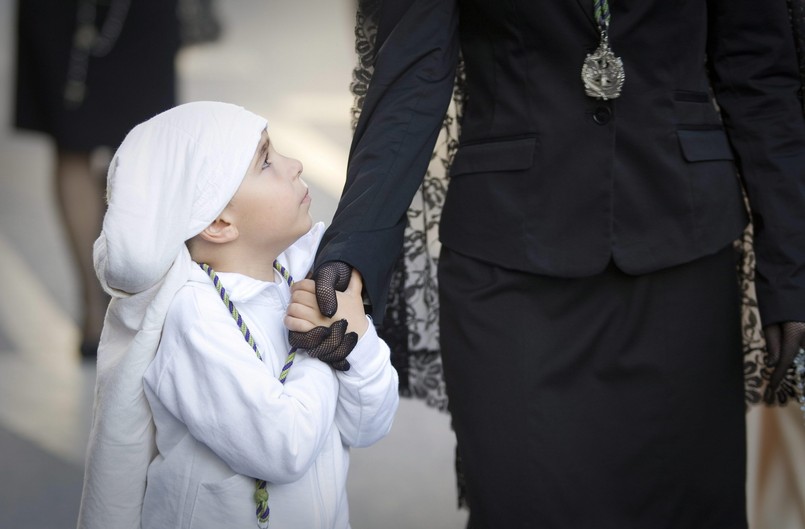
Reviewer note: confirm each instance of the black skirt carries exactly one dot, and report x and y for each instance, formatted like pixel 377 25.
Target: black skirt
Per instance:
pixel 134 81
pixel 612 401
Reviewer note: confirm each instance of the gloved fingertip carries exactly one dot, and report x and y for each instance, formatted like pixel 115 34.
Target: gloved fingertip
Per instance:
pixel 342 365
pixel 329 310
pixel 350 341
pixel 768 395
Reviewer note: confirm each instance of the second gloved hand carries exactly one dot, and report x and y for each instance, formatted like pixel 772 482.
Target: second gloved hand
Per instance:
pixel 329 344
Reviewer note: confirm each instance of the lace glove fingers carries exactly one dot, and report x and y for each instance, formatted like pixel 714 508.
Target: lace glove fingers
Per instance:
pixel 308 340
pixel 783 342
pixel 328 344
pixel 338 357
pixel 329 277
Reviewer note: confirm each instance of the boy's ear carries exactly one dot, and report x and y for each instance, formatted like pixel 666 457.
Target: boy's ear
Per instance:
pixel 220 231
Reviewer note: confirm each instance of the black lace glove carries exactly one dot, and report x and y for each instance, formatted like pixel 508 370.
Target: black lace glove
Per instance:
pixel 329 277
pixel 783 341
pixel 331 344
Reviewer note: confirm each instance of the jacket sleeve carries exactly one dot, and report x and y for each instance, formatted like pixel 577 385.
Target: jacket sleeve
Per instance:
pixel 209 378
pixel 754 68
pixel 400 120
pixel 368 392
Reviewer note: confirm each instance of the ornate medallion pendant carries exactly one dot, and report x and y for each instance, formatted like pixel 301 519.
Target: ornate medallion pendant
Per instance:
pixel 603 73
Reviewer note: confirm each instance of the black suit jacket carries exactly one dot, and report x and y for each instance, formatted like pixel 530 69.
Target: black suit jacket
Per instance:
pixel 548 180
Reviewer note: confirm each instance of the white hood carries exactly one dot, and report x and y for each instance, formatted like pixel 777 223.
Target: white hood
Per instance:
pixel 170 178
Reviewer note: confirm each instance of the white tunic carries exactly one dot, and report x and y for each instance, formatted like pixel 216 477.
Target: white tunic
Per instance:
pixel 223 418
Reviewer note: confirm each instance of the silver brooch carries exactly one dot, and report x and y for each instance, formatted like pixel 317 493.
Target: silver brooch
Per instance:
pixel 603 73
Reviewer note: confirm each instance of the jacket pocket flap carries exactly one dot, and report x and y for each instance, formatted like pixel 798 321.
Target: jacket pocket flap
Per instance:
pixel 509 155
pixel 702 145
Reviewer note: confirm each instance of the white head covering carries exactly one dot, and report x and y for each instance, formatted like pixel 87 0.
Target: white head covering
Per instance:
pixel 170 178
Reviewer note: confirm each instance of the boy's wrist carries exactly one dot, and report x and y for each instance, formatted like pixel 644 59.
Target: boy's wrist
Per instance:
pixel 358 325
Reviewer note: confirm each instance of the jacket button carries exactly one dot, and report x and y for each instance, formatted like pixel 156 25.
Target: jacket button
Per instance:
pixel 602 115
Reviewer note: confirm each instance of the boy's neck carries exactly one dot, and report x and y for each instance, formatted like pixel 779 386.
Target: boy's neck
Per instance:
pixel 257 267
pixel 262 272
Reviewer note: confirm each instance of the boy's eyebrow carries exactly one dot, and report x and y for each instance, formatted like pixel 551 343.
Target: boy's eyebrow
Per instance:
pixel 263 149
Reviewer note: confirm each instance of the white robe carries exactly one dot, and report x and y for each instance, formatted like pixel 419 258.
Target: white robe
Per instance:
pixel 168 180
pixel 223 418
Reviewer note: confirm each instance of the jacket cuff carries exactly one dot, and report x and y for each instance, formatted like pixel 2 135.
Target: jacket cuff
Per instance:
pixel 373 254
pixel 780 303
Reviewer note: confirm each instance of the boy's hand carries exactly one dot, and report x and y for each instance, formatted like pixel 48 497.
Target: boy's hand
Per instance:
pixel 328 339
pixel 303 313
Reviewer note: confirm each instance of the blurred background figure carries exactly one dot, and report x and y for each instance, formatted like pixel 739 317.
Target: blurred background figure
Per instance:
pixel 86 72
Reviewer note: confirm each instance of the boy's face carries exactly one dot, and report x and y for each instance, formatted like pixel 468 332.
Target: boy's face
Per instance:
pixel 272 203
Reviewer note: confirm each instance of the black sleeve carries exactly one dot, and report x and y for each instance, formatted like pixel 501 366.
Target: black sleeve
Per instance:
pixel 417 52
pixel 754 66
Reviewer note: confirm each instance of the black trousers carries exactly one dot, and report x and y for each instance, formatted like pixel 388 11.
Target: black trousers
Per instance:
pixel 611 401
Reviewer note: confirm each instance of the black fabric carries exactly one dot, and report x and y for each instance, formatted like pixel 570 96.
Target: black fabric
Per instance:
pixel 613 401
pixel 797 10
pixel 133 82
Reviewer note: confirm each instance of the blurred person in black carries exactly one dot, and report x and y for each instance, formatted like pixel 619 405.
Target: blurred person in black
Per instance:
pixel 87 71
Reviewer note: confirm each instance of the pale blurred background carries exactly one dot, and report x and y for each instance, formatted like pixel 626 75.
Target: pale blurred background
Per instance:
pixel 290 61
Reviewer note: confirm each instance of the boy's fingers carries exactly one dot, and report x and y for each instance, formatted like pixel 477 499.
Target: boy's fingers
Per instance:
pixel 304 311
pixel 306 298
pixel 304 285
pixel 297 324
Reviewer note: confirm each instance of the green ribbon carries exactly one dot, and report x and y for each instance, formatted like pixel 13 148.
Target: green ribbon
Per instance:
pixel 602 14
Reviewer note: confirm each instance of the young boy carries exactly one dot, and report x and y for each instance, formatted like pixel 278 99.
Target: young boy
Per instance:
pixel 230 414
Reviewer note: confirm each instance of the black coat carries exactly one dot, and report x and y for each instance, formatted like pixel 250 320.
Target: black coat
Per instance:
pixel 550 181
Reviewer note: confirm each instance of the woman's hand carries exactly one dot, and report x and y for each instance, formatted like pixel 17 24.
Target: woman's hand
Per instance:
pixel 783 342
pixel 328 339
